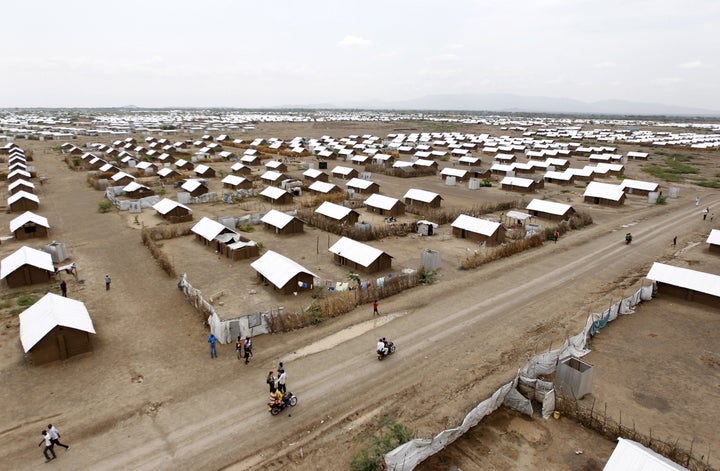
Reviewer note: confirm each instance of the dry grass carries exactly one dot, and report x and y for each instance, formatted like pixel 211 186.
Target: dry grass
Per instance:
pixel 502 251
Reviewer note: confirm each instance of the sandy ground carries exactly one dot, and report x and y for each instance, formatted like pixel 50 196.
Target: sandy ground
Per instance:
pixel 149 396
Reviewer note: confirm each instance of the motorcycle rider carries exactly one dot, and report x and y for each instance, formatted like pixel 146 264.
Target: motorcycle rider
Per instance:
pixel 276 397
pixel 628 238
pixel 382 347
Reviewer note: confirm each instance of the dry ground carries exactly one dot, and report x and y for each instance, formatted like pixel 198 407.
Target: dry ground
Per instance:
pixel 149 397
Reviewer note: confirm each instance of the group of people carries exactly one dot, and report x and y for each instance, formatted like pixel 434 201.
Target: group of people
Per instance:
pixel 382 346
pixel 243 348
pixel 277 385
pixel 51 437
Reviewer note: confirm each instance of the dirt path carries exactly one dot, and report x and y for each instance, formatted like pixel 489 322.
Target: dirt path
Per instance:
pixel 456 344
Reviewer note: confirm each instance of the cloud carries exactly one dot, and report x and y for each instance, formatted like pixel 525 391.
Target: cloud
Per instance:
pixel 455 47
pixel 354 41
pixel 605 65
pixel 667 81
pixel 692 65
pixel 444 58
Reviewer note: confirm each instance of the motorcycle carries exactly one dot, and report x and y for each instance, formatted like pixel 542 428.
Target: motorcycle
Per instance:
pixel 390 351
pixel 628 238
pixel 289 400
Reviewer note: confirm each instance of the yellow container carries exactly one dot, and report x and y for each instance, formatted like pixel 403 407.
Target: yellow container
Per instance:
pixel 556 414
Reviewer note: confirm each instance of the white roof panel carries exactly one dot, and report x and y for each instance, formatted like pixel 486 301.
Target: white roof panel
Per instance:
pixel 548 207
pixel 633 456
pixel 516 181
pixel 359 183
pixel 273 192
pixel 714 237
pixel 278 269
pixel 477 225
pixel 276 218
pixel 332 210
pixel 25 256
pixel 685 278
pixel 22 194
pixel 322 187
pixel 166 205
pixel 232 180
pixel 357 252
pixel 380 201
pixel 26 217
pixel 639 185
pixel 209 229
pixel 50 311
pixel 604 190
pixel 420 195
pixel 453 172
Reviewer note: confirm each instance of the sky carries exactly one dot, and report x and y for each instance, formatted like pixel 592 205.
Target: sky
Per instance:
pixel 224 53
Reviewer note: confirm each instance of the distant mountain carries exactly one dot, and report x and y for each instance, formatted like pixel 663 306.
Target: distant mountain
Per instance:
pixel 507 103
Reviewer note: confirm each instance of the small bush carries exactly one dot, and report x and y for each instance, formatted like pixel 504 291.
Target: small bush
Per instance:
pixel 104 206
pixel 247 227
pixel 26 300
pixel 661 200
pixel 390 435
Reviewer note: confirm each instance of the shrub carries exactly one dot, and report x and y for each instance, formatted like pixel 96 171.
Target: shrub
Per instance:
pixel 390 435
pixel 104 206
pixel 26 300
pixel 661 200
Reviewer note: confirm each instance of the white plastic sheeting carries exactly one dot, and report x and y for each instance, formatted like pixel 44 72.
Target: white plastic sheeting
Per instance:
pixel 408 455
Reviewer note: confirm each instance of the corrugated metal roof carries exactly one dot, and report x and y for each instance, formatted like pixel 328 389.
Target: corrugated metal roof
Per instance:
pixel 604 190
pixel 633 456
pixel 191 185
pixel 453 172
pixel 232 180
pixel 355 251
pixel 50 311
pixel 359 183
pixel 277 218
pixel 26 217
pixel 639 185
pixel 120 175
pixel 421 195
pixel 17 183
pixel 166 205
pixel 22 195
pixel 548 207
pixel 342 170
pixel 380 201
pixel 312 173
pixel 165 171
pixel 516 181
pixel 209 229
pixel 25 256
pixel 332 210
pixel 714 237
pixel 278 269
pixel 685 278
pixel 273 192
pixel 322 187
pixel 477 225
pixel 271 175
pixel 133 186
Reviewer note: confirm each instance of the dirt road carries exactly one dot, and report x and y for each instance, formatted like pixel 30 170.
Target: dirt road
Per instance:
pixel 151 398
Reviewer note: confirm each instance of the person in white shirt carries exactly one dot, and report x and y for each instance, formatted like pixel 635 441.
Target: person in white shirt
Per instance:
pixel 281 381
pixel 55 436
pixel 382 347
pixel 48 446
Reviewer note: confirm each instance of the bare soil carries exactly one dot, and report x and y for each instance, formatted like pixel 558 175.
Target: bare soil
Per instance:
pixel 149 396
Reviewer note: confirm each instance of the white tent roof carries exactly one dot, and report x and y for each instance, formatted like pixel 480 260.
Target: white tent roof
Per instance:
pixel 191 185
pixel 20 195
pixel 559 175
pixel 132 186
pixel 548 207
pixel 200 169
pixel 633 456
pixel 165 171
pixel 232 180
pixel 342 170
pixel 713 238
pixel 355 251
pixel 604 190
pixel 273 164
pixel 166 205
pixel 273 192
pixel 237 166
pixel 468 159
pixel 358 183
pixel 278 269
pixel 332 210
pixel 271 175
pixel 517 181
pixel 477 225
pixel 380 201
pixel 277 218
pixel 453 172
pixel 685 278
pixel 25 256
pixel 26 217
pixel 17 183
pixel 639 185
pixel 322 187
pixel 20 172
pixel 50 311
pixel 120 175
pixel 420 195
pixel 209 229
pixel 312 173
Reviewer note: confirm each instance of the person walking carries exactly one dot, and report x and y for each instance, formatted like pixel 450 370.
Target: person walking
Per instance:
pixel 375 308
pixel 281 381
pixel 212 340
pixel 239 347
pixel 697 201
pixel 281 368
pixel 63 288
pixel 556 235
pixel 107 282
pixel 705 213
pixel 675 241
pixel 55 436
pixel 48 450
pixel 248 349
pixel 270 380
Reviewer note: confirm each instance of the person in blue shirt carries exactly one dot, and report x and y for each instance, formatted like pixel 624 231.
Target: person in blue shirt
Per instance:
pixel 212 340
